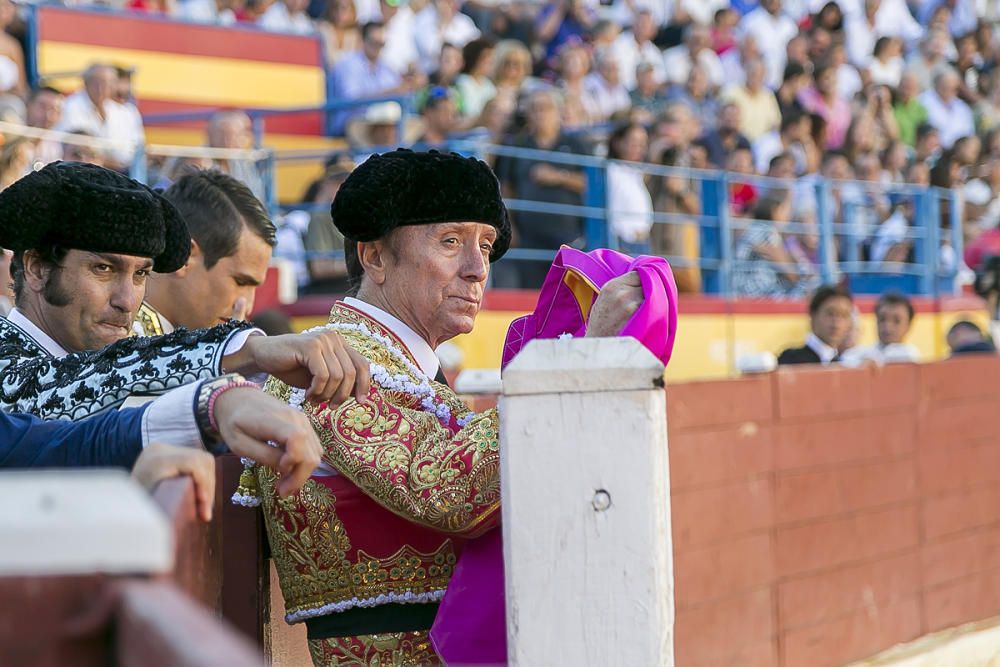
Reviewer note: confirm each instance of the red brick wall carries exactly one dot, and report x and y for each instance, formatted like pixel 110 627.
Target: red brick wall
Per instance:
pixel 821 516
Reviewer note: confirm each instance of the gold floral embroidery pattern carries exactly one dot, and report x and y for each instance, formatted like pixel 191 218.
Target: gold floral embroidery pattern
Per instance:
pixel 406 461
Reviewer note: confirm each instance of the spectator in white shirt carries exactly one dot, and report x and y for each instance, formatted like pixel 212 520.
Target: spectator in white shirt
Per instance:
pixel 733 59
pixel 44 109
pixel 219 12
pixel 630 206
pixel 861 33
pixel 773 29
pixel 932 58
pixel 606 88
pixel 945 111
pixel 400 51
pixel 886 67
pixel 94 111
pixel 696 48
pixel 287 16
pixel 701 12
pixel 439 23
pixel 894 317
pixel 635 47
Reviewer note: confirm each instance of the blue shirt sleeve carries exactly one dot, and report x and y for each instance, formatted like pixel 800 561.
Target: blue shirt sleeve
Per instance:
pixel 111 439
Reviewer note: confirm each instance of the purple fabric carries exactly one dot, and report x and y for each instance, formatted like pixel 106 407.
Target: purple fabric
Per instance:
pixel 470 628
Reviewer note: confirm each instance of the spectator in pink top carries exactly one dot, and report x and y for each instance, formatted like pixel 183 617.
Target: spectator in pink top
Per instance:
pixel 822 99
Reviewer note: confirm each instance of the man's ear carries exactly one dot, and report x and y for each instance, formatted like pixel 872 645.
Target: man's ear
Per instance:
pixel 36 271
pixel 196 257
pixel 373 256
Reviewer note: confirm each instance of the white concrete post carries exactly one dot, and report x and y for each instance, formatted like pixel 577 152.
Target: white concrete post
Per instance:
pixel 586 505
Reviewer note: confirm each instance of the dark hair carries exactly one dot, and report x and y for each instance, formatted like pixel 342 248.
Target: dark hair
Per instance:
pixel 971 327
pixel 473 51
pixel 766 207
pixel 792 70
pixel 881 45
pixel 925 129
pixel 50 254
pixel 777 159
pixel 368 27
pixel 617 135
pixel 895 299
pixel 825 293
pixel 790 120
pixel 216 207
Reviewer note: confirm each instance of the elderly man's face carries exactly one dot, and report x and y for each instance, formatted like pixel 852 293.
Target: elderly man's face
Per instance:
pixel 433 276
pixel 89 300
pixel 101 84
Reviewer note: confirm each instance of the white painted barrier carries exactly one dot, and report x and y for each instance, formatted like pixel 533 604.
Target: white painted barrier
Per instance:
pixel 586 505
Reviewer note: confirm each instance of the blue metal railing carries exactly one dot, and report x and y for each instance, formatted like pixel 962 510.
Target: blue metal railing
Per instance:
pixel 841 243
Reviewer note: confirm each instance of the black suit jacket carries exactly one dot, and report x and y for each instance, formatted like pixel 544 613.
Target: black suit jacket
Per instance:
pixel 798 355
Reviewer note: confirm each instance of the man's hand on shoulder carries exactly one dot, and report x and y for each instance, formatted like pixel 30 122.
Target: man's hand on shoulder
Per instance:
pixel 615 305
pixel 319 361
pixel 248 420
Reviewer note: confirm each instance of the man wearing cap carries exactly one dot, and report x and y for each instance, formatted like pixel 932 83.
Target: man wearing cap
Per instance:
pixel 84 240
pixel 365 551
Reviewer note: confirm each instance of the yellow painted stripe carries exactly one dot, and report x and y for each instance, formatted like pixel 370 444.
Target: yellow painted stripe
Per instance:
pixel 194 79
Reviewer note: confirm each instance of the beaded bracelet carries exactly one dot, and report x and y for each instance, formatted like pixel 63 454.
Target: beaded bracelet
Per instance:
pixel 219 391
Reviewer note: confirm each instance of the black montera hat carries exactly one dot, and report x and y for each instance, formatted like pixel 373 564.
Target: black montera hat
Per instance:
pixel 85 207
pixel 409 188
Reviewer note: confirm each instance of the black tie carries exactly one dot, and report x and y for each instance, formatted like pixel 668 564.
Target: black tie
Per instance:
pixel 440 378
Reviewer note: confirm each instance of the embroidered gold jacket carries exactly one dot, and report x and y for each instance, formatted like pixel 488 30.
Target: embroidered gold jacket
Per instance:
pixel 387 528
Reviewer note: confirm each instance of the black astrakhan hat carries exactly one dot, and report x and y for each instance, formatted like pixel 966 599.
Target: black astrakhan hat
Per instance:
pixel 85 207
pixel 410 188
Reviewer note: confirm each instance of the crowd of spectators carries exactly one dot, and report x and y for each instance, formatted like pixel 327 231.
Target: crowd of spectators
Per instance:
pixel 883 93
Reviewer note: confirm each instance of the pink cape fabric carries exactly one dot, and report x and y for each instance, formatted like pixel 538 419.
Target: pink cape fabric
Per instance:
pixel 470 627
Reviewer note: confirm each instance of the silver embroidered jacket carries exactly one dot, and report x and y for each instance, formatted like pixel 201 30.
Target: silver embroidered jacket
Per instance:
pixel 86 383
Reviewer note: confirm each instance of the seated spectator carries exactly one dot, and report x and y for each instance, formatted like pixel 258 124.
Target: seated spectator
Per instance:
pixel 861 34
pixel 987 110
pixel 327 275
pixel 440 23
pixel 723 33
pixel 961 15
pixel 886 66
pixel 849 81
pixel 561 21
pixel 399 52
pixel 987 242
pixel 361 74
pixel 512 68
pixel 445 75
pixel 339 31
pixel 795 80
pixel 379 128
pixel 648 95
pixel 763 267
pixel 95 111
pixel 742 194
pixel 474 82
pixel 678 61
pixel 822 99
pixel 773 29
pixel 697 96
pixel 907 108
pixel 630 206
pixel 605 88
pixel 792 138
pixel 635 47
pixel 733 60
pixel 928 146
pixel 233 129
pixel 964 337
pixel 533 180
pixel 830 18
pixel 677 239
pixel 759 113
pixel 830 311
pixel 217 12
pixel 580 106
pixel 969 66
pixel 12 78
pixel 287 16
pixel 894 317
pixel 44 110
pixel 727 137
pixel 945 111
pixel 440 117
pixel 931 60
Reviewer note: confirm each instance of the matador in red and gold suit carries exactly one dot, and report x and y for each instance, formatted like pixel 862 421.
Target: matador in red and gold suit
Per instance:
pixel 365 551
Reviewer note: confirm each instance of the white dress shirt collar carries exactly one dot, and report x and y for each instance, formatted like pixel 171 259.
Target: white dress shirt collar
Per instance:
pixel 826 353
pixel 20 319
pixel 421 350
